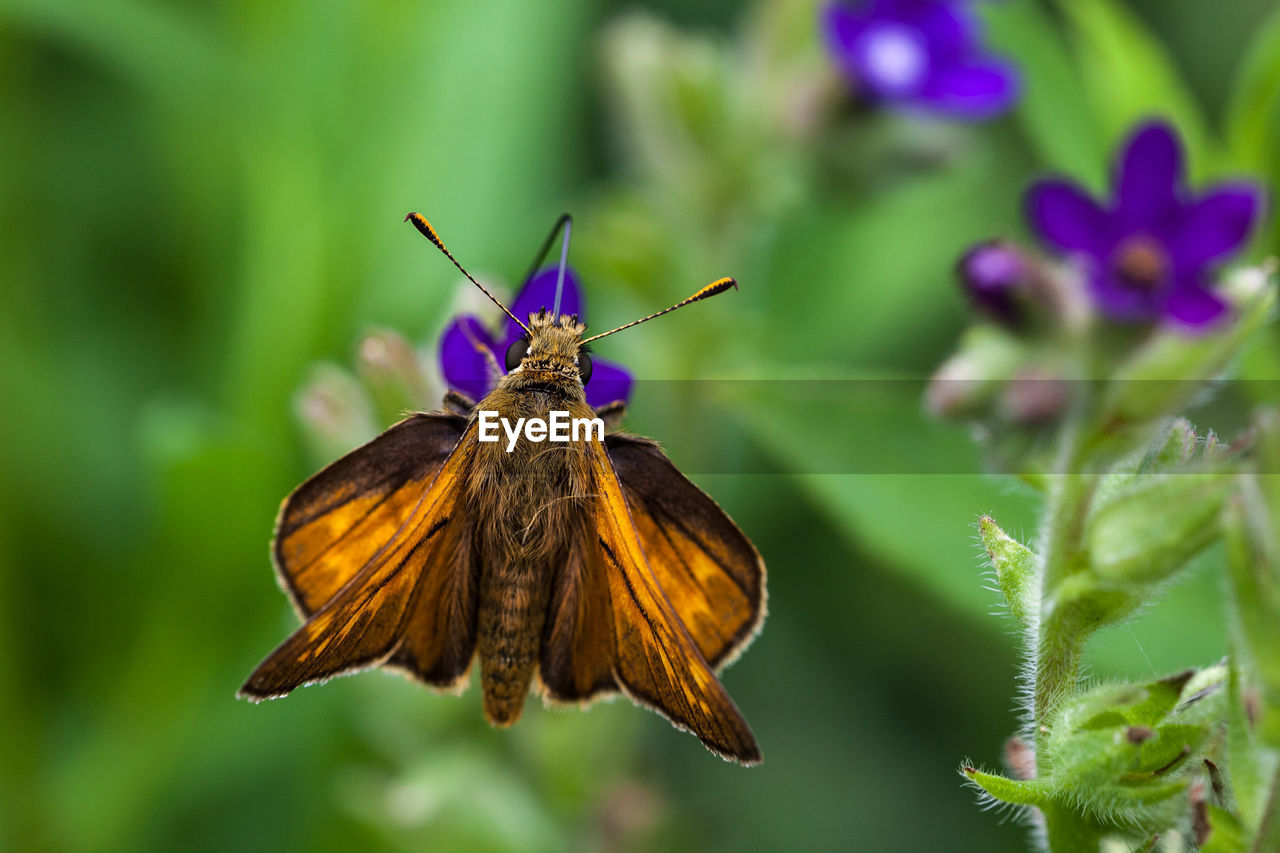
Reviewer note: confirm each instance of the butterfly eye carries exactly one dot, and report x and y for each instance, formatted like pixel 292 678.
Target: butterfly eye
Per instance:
pixel 516 353
pixel 584 367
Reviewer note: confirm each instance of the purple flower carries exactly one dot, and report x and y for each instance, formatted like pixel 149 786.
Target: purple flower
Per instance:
pixel 995 274
pixel 1152 250
pixel 469 351
pixel 922 54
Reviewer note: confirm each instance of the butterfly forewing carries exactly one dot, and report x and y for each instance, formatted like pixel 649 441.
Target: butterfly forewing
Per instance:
pixel 402 601
pixel 334 523
pixel 656 661
pixel 710 572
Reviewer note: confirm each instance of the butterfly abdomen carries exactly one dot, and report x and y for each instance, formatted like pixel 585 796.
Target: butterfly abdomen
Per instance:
pixel 522 545
pixel 513 608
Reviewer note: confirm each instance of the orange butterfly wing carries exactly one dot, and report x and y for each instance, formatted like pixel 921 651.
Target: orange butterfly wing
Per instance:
pixel 333 524
pixel 379 534
pixel 612 626
pixel 712 574
pixel 577 646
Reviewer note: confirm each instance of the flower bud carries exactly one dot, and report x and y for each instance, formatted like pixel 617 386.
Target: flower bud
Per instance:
pixel 1174 448
pixel 1127 748
pixel 1148 531
pixel 1034 397
pixel 1014 564
pixel 997 278
pixel 1243 285
pixel 394 373
pixel 965 386
pixel 334 411
pixel 1116 750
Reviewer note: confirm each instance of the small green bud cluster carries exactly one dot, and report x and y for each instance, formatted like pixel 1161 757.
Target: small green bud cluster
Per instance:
pixel 1121 754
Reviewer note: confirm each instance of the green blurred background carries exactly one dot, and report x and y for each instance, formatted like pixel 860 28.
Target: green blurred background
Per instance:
pixel 200 201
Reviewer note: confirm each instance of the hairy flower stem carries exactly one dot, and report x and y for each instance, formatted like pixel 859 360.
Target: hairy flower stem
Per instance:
pixel 1059 643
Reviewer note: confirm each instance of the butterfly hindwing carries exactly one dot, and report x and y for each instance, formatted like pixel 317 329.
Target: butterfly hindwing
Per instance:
pixel 439 634
pixel 577 647
pixel 409 597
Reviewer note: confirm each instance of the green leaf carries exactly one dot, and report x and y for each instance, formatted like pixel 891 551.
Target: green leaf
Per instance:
pixel 1145 705
pixel 871 271
pixel 1226 835
pixel 968 384
pixel 1054 109
pixel 1129 76
pixel 886 471
pixel 1008 790
pixel 1254 105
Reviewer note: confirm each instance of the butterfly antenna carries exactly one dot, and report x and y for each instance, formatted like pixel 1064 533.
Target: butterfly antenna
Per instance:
pixel 420 222
pixel 561 221
pixel 564 260
pixel 718 286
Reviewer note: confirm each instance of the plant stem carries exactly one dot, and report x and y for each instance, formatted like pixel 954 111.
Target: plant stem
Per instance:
pixel 1059 642
pixel 1066 832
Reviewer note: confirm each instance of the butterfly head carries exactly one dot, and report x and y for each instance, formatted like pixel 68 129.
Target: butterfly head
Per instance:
pixel 551 352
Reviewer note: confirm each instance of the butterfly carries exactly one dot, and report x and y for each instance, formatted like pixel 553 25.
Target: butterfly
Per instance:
pixel 577 569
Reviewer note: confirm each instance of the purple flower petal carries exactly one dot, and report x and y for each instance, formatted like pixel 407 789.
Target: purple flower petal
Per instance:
pixel 842 26
pixel 891 59
pixel 1150 253
pixel 1193 306
pixel 463 361
pixel 1217 224
pixel 609 382
pixel 919 53
pixel 1068 218
pixel 539 293
pixel 975 89
pixel 1119 300
pixel 951 29
pixel 1149 176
